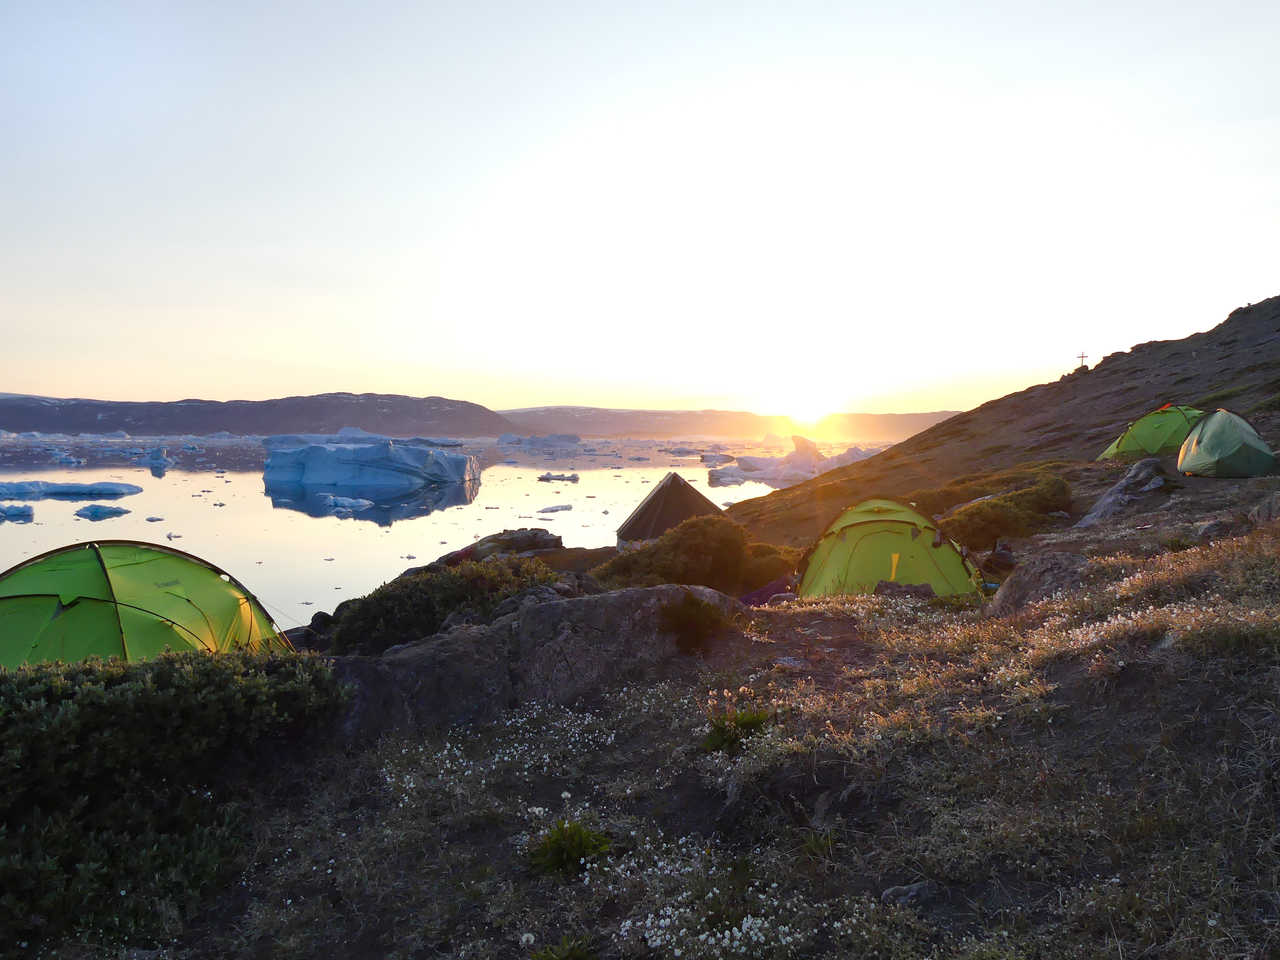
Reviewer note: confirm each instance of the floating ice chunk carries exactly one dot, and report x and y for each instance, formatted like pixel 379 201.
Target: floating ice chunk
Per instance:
pixel 157 456
pixel 802 463
pixel 100 511
pixel 43 490
pixel 173 536
pixel 17 512
pixel 154 519
pixel 570 477
pixel 557 508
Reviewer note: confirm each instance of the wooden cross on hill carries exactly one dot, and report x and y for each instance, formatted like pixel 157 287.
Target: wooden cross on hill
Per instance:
pixel 1082 359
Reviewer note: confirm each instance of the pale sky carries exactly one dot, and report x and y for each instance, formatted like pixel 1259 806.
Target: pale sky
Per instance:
pixel 791 208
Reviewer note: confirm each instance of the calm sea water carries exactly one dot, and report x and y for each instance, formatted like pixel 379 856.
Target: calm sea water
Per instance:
pixel 298 564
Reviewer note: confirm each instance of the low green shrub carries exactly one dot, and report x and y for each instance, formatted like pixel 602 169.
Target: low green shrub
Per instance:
pixel 1211 401
pixel 730 728
pixel 569 948
pixel 118 812
pixel 708 551
pixel 1015 514
pixel 564 847
pixel 693 621
pixel 410 608
pixel 767 562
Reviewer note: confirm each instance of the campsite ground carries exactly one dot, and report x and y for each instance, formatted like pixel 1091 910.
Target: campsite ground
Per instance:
pixel 1093 776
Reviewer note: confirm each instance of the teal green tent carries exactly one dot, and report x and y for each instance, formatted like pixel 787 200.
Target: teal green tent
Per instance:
pixel 122 598
pixel 882 540
pixel 1157 433
pixel 1224 444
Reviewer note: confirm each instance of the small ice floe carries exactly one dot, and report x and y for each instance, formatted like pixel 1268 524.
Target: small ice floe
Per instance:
pixel 637 459
pixel 156 456
pixel 100 511
pixel 173 536
pixel 568 477
pixel 42 490
pixel 219 504
pixel 154 519
pixel 556 508
pixel 67 459
pixel 17 512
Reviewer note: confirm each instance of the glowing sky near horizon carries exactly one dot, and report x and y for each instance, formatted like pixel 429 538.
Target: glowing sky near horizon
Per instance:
pixel 787 208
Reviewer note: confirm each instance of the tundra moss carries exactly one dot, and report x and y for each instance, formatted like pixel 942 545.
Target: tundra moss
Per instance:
pixel 120 809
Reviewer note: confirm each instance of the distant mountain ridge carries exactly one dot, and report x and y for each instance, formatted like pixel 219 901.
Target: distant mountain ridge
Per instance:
pixel 389 414
pixel 613 422
pixel 401 416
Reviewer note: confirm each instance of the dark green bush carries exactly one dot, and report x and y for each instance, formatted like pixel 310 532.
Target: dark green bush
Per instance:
pixel 729 729
pixel 1014 514
pixel 119 808
pixel 569 948
pixel 767 562
pixel 563 848
pixel 708 551
pixel 693 621
pixel 410 608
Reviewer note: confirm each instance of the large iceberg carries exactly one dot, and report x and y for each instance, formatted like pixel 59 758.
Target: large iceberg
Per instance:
pixel 375 470
pixel 45 490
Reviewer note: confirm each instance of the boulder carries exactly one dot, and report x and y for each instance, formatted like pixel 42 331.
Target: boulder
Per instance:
pixel 508 543
pixel 1218 529
pixel 1035 578
pixel 911 894
pixel 1266 511
pixel 1145 476
pixel 545 649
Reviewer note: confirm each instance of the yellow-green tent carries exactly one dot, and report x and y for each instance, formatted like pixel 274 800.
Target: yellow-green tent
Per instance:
pixel 1158 433
pixel 882 540
pixel 122 598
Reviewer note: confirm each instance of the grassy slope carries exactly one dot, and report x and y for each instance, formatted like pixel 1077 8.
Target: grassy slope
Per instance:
pixel 1094 778
pixel 1236 364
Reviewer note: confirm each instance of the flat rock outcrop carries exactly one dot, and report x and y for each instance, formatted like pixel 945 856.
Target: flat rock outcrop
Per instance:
pixel 556 650
pixel 1145 476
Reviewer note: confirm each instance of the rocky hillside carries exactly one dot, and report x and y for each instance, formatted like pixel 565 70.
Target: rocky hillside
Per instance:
pixel 389 414
pixel 1234 365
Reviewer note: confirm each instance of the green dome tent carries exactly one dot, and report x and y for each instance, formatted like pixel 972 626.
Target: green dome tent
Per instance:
pixel 121 598
pixel 882 540
pixel 1225 444
pixel 1159 432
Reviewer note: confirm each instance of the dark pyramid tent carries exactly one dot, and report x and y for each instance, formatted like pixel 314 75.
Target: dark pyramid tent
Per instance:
pixel 122 598
pixel 1224 444
pixel 669 503
pixel 1158 433
pixel 882 540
